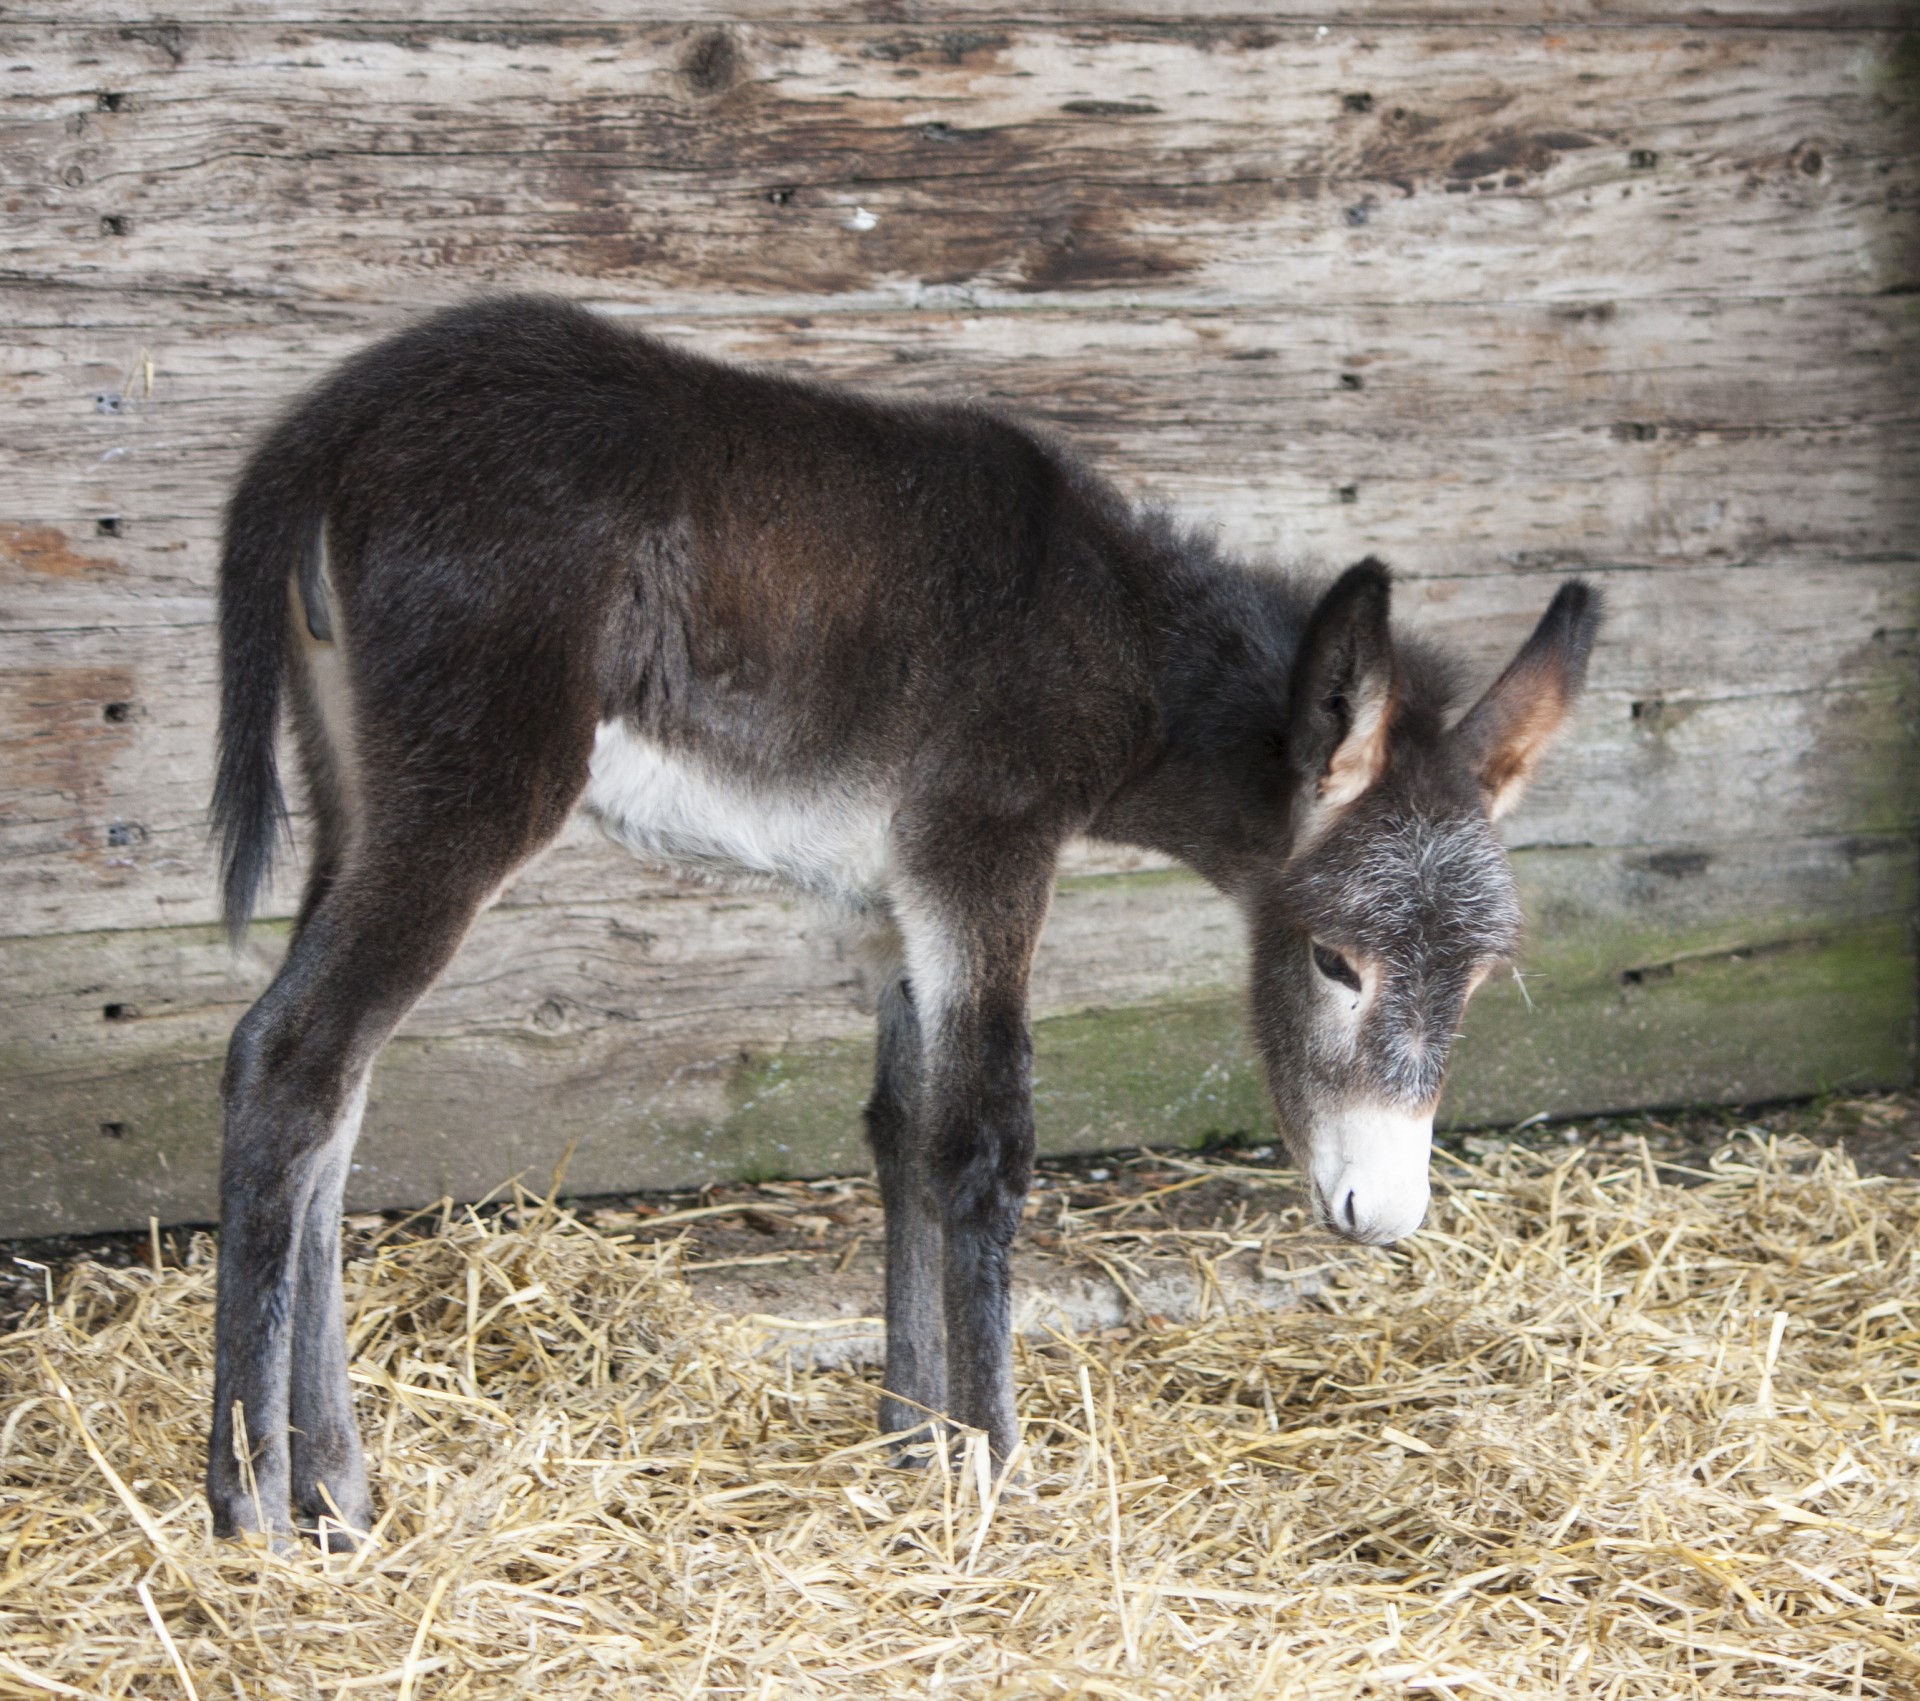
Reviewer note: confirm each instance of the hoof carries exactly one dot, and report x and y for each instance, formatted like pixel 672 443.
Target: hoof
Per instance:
pixel 337 1527
pixel 280 1538
pixel 252 1521
pixel 914 1449
pixel 331 1536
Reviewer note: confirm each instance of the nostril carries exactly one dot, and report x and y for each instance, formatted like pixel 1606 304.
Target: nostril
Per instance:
pixel 1353 1211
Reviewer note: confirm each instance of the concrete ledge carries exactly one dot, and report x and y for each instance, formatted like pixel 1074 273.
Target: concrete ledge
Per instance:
pixel 1143 1241
pixel 833 1320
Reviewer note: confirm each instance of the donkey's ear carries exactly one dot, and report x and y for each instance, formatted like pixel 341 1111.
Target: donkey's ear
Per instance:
pixel 1343 689
pixel 1506 733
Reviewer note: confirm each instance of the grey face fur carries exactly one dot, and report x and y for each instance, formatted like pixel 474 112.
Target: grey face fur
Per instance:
pixel 1422 905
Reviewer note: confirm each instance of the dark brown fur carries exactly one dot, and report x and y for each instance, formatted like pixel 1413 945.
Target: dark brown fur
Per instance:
pixel 536 523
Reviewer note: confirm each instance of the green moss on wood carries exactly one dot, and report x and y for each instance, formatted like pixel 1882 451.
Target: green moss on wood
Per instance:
pixel 1176 1073
pixel 1136 880
pixel 1797 1016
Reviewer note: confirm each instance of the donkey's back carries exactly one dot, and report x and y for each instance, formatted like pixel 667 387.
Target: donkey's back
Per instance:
pixel 517 523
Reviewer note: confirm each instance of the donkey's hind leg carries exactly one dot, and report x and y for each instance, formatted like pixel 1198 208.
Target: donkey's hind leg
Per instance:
pixel 296 1076
pixel 329 1471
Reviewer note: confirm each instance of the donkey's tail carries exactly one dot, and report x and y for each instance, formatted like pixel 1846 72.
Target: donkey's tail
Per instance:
pixel 272 531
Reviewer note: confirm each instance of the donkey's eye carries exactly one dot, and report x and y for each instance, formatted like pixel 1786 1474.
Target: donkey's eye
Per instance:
pixel 1336 967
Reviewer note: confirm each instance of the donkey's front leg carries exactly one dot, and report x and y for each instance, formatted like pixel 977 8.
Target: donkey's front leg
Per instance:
pixel 982 1119
pixel 970 938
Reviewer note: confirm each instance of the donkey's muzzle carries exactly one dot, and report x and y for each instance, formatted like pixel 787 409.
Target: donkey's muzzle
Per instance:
pixel 1369 1173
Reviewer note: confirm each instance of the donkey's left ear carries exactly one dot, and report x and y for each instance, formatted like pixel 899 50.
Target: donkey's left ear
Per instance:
pixel 1343 685
pixel 1506 733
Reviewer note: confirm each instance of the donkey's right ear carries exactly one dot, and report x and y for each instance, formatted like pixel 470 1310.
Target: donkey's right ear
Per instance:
pixel 1343 689
pixel 1505 734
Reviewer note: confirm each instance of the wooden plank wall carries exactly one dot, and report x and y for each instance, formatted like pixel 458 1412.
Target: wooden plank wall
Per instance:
pixel 1500 291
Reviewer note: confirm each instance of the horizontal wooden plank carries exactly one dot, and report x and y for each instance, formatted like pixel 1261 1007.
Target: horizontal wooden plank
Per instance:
pixel 464 1118
pixel 756 969
pixel 711 1034
pixel 1440 505
pixel 1476 439
pixel 1702 722
pixel 769 971
pixel 945 25
pixel 799 164
pixel 1520 368
pixel 1829 1013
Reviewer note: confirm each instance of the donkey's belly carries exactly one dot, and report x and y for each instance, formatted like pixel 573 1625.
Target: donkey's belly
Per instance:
pixel 669 808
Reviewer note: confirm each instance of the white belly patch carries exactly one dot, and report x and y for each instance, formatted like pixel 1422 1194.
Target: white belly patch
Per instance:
pixel 664 807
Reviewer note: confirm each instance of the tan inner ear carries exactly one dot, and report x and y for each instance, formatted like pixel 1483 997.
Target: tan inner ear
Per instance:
pixel 1530 715
pixel 1361 757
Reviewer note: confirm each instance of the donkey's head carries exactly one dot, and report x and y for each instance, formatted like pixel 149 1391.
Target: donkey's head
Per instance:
pixel 1393 899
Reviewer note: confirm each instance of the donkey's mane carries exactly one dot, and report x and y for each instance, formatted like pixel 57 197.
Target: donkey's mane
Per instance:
pixel 1231 628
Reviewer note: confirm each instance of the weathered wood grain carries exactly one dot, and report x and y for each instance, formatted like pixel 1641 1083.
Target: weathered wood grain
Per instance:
pixel 771 971
pixel 463 1117
pixel 801 164
pixel 947 25
pixel 1495 290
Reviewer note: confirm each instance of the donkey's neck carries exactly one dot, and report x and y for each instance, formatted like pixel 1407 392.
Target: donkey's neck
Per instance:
pixel 1211 789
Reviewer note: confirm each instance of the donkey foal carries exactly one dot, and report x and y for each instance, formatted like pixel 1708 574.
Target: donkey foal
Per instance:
pixel 515 560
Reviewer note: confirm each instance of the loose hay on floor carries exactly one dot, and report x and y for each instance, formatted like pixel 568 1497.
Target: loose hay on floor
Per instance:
pixel 1590 1434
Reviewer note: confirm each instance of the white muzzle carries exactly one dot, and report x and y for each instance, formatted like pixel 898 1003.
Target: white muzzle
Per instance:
pixel 1369 1172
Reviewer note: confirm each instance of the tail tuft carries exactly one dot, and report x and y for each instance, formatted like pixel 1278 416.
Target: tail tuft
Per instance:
pixel 269 533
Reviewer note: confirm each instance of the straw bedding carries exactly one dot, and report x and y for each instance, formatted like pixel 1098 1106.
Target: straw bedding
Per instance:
pixel 1594 1433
